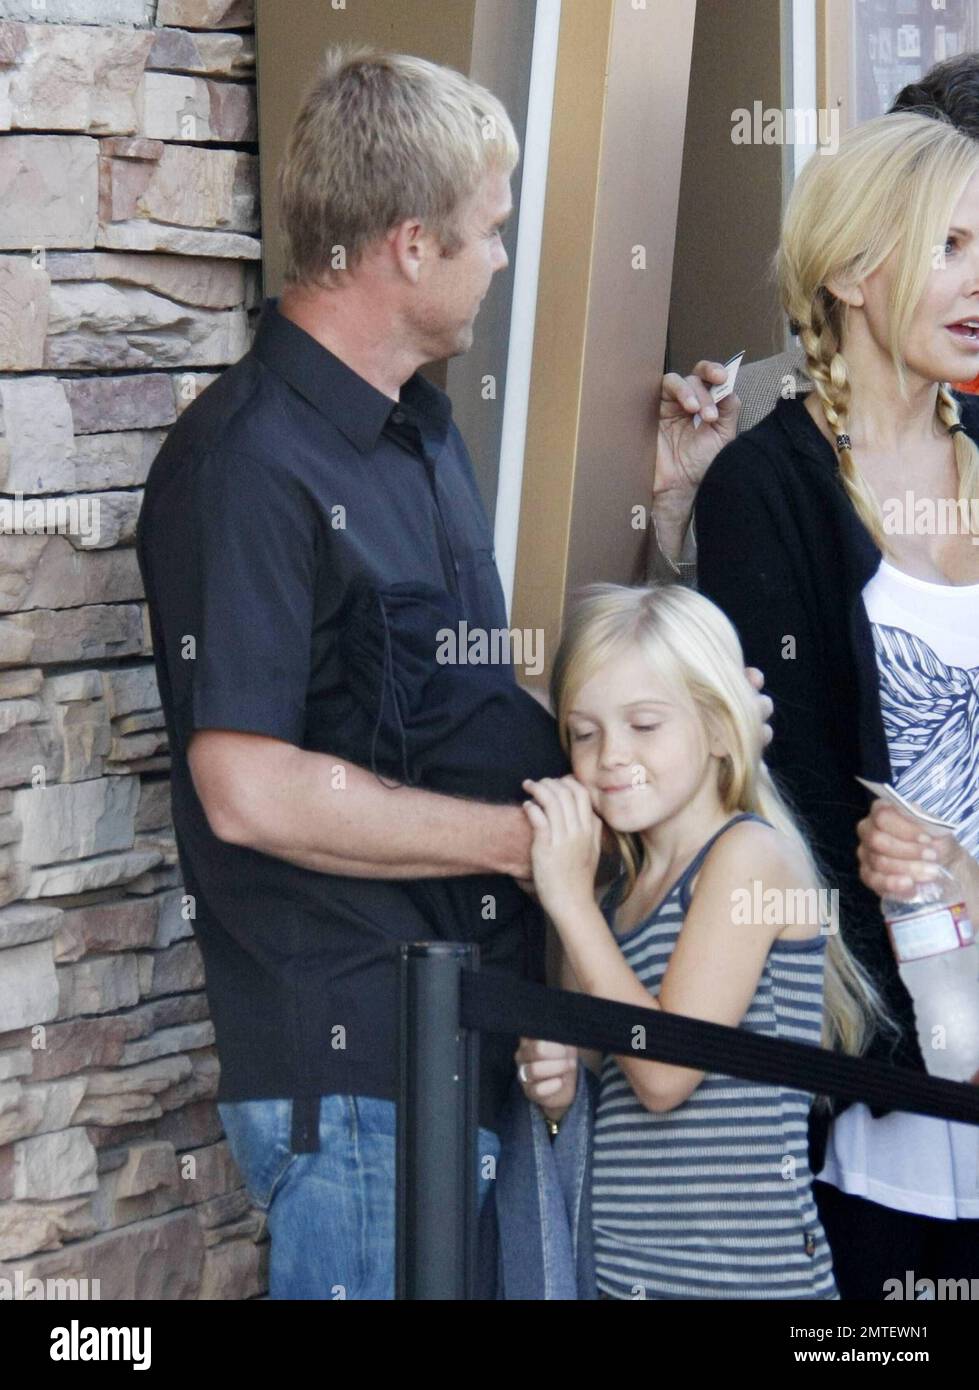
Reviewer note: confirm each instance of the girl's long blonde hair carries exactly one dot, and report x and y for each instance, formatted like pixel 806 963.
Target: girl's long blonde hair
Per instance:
pixel 892 186
pixel 692 647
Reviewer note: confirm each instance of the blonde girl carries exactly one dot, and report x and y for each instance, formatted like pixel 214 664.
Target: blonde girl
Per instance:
pixel 700 1185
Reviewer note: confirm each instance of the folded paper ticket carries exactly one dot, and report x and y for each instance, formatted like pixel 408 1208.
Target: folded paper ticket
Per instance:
pixel 888 793
pixel 717 393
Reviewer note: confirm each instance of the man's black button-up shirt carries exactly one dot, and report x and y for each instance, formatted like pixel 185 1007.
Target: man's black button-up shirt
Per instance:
pixel 290 480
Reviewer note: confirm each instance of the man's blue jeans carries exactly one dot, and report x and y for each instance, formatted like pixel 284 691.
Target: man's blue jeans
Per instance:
pixel 330 1214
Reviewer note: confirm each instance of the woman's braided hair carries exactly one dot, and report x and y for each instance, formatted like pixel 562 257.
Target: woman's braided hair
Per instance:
pixel 827 368
pixel 899 173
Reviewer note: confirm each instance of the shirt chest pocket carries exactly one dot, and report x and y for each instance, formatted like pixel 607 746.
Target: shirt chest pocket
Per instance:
pixel 473 559
pixel 475 573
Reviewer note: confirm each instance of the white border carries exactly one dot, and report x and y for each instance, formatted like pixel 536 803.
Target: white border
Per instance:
pixel 526 270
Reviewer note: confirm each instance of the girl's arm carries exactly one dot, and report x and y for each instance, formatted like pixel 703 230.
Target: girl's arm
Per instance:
pixel 567 979
pixel 717 962
pixel 549 1071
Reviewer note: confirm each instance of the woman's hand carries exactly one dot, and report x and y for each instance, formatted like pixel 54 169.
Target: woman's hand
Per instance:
pixel 548 1074
pixel 684 452
pixel 567 843
pixel 896 852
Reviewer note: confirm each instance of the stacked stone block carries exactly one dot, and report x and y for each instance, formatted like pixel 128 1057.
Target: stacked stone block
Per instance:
pixel 129 278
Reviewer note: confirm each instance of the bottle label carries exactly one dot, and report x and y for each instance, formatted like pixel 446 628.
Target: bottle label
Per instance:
pixel 931 932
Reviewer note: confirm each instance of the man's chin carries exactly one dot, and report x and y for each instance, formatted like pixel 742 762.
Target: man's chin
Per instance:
pixel 459 350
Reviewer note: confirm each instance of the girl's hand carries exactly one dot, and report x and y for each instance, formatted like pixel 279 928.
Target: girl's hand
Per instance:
pixel 548 1074
pixel 567 843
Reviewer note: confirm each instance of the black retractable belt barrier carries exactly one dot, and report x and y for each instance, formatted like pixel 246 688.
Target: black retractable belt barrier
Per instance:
pixel 498 1003
pixel 445 1006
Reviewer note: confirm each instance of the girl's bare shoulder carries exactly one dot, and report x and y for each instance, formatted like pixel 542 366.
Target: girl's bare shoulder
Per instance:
pixel 755 850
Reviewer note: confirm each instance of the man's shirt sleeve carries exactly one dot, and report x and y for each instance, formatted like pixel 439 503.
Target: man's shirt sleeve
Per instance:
pixel 241 657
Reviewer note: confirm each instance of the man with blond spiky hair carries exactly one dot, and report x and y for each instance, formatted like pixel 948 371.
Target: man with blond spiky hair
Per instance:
pixel 321 476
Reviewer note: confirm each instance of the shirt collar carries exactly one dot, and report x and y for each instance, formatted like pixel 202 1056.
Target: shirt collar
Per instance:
pixel 352 404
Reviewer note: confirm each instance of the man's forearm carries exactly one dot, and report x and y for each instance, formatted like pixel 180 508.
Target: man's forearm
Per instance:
pixel 325 814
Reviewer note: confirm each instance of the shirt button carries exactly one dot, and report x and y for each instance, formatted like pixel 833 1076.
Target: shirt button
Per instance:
pixel 398 417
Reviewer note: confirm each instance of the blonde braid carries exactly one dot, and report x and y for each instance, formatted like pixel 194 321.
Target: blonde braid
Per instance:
pixel 827 368
pixel 966 453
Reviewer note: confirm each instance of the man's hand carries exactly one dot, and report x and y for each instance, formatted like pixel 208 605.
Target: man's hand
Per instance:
pixel 765 707
pixel 683 452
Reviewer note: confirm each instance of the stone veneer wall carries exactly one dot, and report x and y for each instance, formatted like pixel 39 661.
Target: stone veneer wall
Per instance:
pixel 129 277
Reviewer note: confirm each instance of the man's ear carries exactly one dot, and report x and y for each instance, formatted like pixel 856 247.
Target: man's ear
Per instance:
pixel 411 245
pixel 847 292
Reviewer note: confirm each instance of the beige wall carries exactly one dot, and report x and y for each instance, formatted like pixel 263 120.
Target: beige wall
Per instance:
pixel 613 186
pixel 731 196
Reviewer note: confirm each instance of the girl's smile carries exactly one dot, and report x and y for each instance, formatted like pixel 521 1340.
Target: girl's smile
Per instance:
pixel 641 752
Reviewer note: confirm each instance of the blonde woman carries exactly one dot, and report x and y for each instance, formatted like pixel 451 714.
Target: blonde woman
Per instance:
pixel 700 1183
pixel 840 536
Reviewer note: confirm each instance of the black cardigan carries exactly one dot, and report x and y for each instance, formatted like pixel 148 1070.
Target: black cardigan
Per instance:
pixel 782 551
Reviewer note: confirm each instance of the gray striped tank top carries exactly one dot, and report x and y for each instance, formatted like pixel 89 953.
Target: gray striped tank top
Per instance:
pixel 714 1198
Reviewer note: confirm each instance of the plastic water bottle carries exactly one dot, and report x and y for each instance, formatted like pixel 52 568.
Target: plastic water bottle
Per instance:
pixel 938 958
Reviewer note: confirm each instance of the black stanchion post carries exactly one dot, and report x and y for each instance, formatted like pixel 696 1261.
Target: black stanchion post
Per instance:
pixel 437 1126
